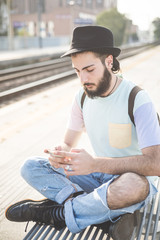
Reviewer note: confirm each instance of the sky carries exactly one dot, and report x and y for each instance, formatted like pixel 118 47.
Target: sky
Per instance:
pixel 141 12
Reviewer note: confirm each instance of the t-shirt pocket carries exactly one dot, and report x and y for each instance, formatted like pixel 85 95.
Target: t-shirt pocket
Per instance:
pixel 120 135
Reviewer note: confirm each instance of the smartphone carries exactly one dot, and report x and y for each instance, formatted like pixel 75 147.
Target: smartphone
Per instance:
pixel 54 155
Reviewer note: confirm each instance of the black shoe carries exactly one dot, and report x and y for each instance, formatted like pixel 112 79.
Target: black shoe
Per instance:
pixel 44 211
pixel 123 228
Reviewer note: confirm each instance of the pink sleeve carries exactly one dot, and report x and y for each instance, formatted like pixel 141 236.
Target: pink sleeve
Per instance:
pixel 76 122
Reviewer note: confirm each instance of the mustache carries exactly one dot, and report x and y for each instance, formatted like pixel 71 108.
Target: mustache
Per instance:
pixel 88 84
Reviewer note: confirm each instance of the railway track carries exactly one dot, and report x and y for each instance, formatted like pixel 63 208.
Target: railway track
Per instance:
pixel 17 81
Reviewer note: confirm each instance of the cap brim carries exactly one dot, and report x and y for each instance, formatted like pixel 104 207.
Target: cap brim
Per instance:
pixel 113 51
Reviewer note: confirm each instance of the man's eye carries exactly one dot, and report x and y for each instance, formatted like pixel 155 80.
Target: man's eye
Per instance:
pixel 90 70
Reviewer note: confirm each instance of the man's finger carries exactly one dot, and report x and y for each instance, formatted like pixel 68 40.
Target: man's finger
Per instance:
pixel 65 154
pixel 76 150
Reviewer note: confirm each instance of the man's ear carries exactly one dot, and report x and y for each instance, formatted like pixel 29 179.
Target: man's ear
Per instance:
pixel 109 61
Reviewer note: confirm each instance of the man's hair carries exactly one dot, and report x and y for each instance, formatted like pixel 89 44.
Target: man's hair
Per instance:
pixel 99 53
pixel 102 56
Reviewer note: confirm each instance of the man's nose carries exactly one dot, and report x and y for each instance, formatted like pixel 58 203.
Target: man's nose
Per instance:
pixel 83 77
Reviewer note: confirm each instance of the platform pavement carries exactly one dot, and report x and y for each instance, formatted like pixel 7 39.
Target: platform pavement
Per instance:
pixel 32 52
pixel 38 121
pixel 41 124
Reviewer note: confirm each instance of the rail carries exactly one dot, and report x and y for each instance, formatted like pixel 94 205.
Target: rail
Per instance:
pixel 13 92
pixel 18 80
pixel 26 70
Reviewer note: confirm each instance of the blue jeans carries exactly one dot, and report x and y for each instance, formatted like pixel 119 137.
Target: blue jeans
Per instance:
pixel 84 210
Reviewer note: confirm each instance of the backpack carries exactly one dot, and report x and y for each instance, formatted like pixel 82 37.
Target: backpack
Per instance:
pixel 131 99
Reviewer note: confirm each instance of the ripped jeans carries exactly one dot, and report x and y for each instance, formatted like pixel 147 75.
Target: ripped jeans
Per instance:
pixel 86 209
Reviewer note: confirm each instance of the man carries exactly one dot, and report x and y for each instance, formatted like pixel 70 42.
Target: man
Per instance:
pixel 82 189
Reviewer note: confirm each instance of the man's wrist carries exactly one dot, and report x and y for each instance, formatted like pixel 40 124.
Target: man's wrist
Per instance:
pixel 101 164
pixel 66 147
pixel 96 165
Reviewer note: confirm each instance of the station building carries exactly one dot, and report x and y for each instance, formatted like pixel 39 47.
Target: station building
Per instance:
pixel 55 17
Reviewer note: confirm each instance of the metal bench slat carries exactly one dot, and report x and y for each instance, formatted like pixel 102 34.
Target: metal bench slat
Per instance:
pixel 52 234
pixel 143 218
pixel 60 233
pixel 73 235
pixel 89 232
pixel 95 233
pixel 28 234
pixel 46 232
pixel 134 233
pixel 66 235
pixel 32 232
pixel 157 219
pixel 102 235
pixel 108 237
pixel 40 232
pixel 80 235
pixel 150 219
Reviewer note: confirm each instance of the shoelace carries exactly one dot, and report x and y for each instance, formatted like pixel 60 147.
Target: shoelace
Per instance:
pixel 26 226
pixel 43 215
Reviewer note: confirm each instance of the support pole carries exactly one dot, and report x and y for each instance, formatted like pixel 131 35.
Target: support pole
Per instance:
pixel 10 27
pixel 39 8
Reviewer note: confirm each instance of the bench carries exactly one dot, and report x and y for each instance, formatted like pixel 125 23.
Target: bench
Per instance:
pixel 147 229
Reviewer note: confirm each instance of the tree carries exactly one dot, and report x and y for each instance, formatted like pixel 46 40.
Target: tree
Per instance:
pixel 3 18
pixel 116 22
pixel 156 24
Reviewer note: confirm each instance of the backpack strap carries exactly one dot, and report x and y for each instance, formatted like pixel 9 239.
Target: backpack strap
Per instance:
pixel 158 118
pixel 82 99
pixel 131 99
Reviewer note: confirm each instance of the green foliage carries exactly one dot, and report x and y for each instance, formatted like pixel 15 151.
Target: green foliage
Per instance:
pixel 116 22
pixel 156 24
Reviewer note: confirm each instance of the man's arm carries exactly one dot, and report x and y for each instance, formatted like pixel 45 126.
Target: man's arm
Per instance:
pixel 147 164
pixel 71 138
pixel 81 162
pixel 75 127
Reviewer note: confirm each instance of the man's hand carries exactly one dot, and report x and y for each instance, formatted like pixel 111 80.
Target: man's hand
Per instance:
pixel 54 159
pixel 70 139
pixel 76 162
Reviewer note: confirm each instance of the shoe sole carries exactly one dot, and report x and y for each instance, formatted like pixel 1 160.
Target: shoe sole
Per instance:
pixel 21 202
pixel 128 220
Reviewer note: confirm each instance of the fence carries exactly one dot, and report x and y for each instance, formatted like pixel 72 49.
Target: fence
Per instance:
pixel 20 42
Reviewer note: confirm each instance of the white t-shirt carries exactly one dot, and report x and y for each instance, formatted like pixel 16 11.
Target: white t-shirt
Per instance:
pixel 108 125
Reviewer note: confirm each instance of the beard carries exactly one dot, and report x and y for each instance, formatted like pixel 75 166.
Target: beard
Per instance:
pixel 102 87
